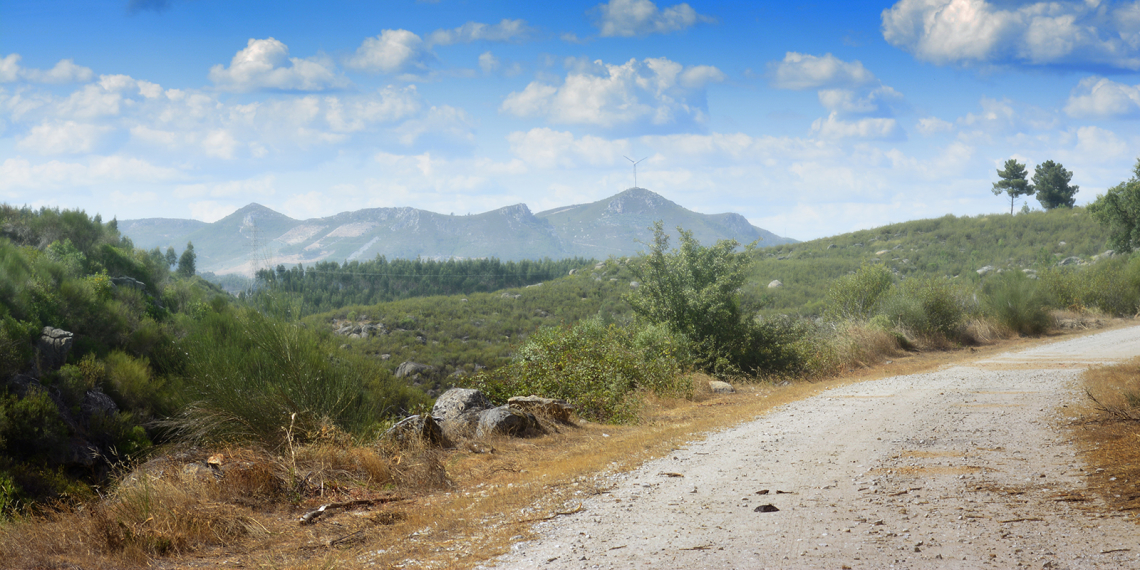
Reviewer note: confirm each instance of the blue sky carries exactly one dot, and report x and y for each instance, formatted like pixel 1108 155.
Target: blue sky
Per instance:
pixel 810 119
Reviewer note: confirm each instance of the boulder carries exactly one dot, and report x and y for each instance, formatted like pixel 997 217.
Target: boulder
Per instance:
pixel 460 427
pixel 719 387
pixel 986 270
pixel 1071 260
pixel 21 384
pixel 53 346
pixel 505 421
pixel 96 402
pixel 831 246
pixel 558 410
pixel 409 368
pixel 458 401
pixel 634 284
pixel 129 282
pixel 775 284
pixel 415 429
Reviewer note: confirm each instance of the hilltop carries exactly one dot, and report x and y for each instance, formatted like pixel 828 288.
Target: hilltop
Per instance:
pixel 255 236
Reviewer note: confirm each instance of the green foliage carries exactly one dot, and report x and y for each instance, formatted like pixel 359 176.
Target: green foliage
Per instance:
pixel 597 367
pixel 1053 188
pixel 930 308
pixel 34 430
pixel 858 296
pixel 171 258
pixel 328 286
pixel 1013 182
pixel 249 373
pixel 187 262
pixel 1017 302
pixel 1118 209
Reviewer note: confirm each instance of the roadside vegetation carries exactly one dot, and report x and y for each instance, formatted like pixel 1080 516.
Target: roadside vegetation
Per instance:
pixel 179 412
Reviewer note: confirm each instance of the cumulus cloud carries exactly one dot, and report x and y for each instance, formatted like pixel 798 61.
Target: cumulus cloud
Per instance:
pixel 870 128
pixel 64 71
pixel 1006 117
pixel 393 51
pixel 653 92
pixel 933 125
pixel 964 32
pixel 505 31
pixel 1098 97
pixel 547 148
pixel 804 71
pixel 629 18
pixel 66 137
pixel 261 66
pixel 850 102
pixel 21 173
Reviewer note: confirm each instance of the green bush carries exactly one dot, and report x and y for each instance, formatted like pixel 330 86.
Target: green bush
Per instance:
pixel 929 308
pixel 598 368
pixel 857 297
pixel 1017 302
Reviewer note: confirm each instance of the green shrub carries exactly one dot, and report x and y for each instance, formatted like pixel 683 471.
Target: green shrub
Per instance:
pixel 1017 302
pixel 596 367
pixel 857 297
pixel 929 308
pixel 132 383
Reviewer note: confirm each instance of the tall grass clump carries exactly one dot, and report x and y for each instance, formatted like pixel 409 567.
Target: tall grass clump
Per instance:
pixel 1111 286
pixel 601 369
pixel 1016 302
pixel 859 295
pixel 248 373
pixel 932 309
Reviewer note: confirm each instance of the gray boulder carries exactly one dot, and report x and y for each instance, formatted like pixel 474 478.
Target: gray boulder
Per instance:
pixel 986 270
pixel 458 401
pixel 557 410
pixel 505 421
pixel 410 368
pixel 21 384
pixel 1072 260
pixel 719 387
pixel 96 402
pixel 53 346
pixel 775 284
pixel 128 282
pixel 415 429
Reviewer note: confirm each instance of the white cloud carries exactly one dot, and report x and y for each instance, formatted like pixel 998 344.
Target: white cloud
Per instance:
pixel 261 66
pixel 505 31
pixel 1080 33
pixel 546 148
pixel 21 173
pixel 654 92
pixel 220 144
pixel 870 128
pixel 261 186
pixel 1098 97
pixel 847 101
pixel 488 62
pixel 629 18
pixel 67 137
pixel 1006 117
pixel 388 105
pixel 804 71
pixel 65 71
pixel 933 125
pixel 210 211
pixel 393 51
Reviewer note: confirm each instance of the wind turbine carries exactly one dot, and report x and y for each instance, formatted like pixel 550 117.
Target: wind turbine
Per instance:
pixel 634 168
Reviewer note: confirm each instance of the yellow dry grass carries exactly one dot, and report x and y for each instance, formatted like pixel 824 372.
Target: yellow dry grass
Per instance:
pixel 1108 429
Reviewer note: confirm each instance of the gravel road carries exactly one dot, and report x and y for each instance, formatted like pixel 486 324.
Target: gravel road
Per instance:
pixel 965 467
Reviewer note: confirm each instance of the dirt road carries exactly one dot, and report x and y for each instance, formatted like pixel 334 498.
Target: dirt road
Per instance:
pixel 966 467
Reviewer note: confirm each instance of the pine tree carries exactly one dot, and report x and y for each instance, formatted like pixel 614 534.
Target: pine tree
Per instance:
pixel 1013 182
pixel 1053 188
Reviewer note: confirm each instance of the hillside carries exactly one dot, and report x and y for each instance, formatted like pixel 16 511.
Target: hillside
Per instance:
pixel 256 236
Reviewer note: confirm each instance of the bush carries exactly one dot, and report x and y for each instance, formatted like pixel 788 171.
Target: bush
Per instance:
pixel 598 368
pixel 930 308
pixel 857 297
pixel 1017 303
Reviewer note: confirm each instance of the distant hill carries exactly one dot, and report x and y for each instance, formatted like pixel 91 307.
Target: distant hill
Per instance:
pixel 255 236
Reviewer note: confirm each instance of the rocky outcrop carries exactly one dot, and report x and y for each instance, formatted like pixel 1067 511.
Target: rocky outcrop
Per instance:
pixel 505 420
pixel 557 410
pixel 458 401
pixel 409 369
pixel 52 348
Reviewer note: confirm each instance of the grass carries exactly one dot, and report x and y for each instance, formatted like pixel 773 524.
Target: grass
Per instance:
pixel 1108 428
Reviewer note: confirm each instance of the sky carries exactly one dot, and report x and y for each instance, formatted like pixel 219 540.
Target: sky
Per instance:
pixel 810 119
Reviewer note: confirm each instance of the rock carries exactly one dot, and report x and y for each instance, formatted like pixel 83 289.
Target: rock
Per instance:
pixel 573 271
pixel 882 251
pixel 831 246
pixel 415 429
pixel 719 387
pixel 856 245
pixel 458 401
pixel 535 285
pixel 409 368
pixel 775 284
pixel 510 296
pixel 96 402
pixel 505 421
pixel 558 410
pixel 460 427
pixel 53 347
pixel 600 265
pixel 385 356
pixel 634 284
pixel 1071 260
pixel 986 270
pixel 21 384
pixel 1061 244
pixel 781 258
pixel 129 282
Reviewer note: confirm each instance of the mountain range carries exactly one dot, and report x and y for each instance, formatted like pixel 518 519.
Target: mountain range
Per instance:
pixel 256 236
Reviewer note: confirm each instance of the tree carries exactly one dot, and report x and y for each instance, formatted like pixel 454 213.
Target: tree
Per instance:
pixel 171 257
pixel 1119 209
pixel 1053 188
pixel 1013 182
pixel 187 261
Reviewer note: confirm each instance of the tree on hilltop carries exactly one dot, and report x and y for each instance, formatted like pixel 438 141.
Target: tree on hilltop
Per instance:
pixel 1119 210
pixel 1013 182
pixel 1053 188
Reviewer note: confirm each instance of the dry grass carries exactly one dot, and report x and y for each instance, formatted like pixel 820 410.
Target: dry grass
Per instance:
pixel 1108 429
pixel 405 507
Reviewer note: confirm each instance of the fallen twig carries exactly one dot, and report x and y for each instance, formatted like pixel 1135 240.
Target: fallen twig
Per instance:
pixel 311 516
pixel 1116 550
pixel 701 547
pixel 1023 520
pixel 556 514
pixel 1112 410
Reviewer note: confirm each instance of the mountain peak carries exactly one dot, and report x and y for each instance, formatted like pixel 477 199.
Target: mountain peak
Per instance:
pixel 637 201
